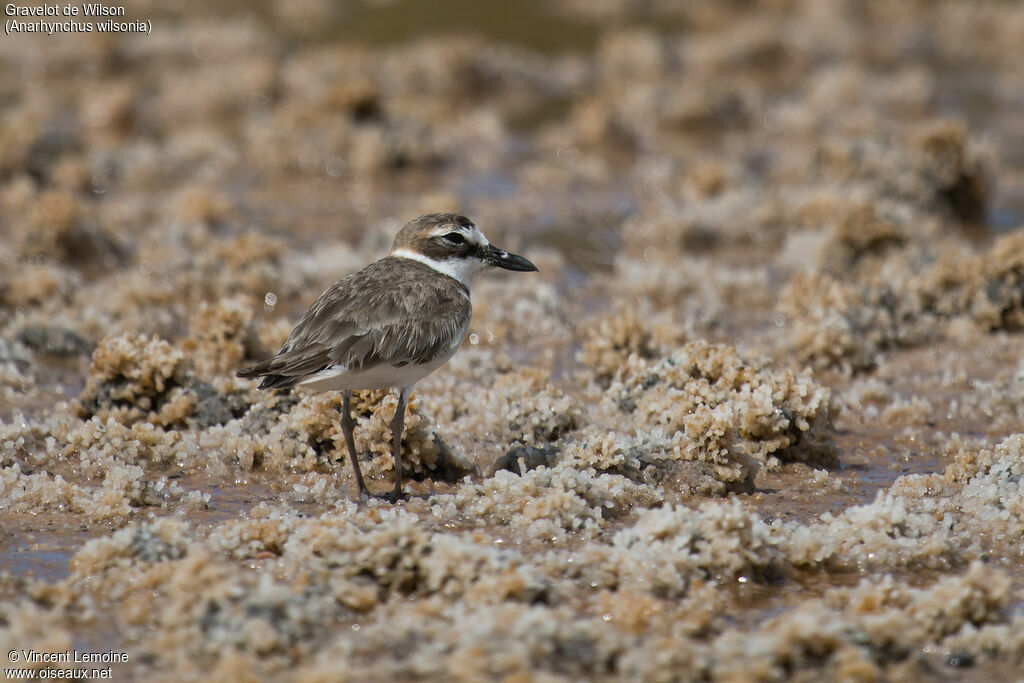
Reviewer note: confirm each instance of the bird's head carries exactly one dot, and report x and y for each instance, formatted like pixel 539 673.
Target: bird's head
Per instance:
pixel 453 245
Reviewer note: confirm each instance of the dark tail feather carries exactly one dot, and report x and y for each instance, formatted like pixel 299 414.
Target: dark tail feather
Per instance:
pixel 270 381
pixel 278 382
pixel 254 371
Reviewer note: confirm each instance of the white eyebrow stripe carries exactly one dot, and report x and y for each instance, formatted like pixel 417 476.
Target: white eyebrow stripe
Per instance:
pixel 472 233
pixel 448 229
pixel 475 232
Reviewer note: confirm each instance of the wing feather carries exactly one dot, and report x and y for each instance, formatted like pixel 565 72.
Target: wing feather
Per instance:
pixel 358 324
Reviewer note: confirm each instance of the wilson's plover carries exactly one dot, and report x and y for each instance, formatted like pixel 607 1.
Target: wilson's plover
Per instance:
pixel 391 324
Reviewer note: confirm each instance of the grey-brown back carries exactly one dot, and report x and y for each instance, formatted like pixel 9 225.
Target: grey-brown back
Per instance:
pixel 395 310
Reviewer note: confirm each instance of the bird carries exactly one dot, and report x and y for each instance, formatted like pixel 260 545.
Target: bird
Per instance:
pixel 390 324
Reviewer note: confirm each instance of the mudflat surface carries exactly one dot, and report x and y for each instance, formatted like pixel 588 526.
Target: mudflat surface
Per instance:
pixel 758 416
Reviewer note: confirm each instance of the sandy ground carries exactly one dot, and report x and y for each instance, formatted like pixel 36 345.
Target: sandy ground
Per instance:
pixel 758 417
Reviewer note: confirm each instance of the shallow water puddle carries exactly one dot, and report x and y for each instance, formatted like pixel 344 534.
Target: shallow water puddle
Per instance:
pixel 31 547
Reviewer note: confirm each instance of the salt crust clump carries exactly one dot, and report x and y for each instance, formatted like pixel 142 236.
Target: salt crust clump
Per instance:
pixel 837 326
pixel 228 611
pixel 59 226
pixel 372 555
pixel 847 635
pixel 532 315
pixel 137 378
pixel 943 171
pixel 862 232
pixel 851 632
pixel 528 409
pixel 890 267
pixel 547 503
pixel 31 283
pixel 670 547
pixel 507 640
pixel 148 543
pixel 122 489
pixel 612 338
pixel 370 559
pixel 933 521
pixel 15 365
pixel 98 445
pixel 915 296
pixel 908 413
pixel 487 405
pixel 999 402
pixel 102 471
pixel 308 437
pixel 892 612
pixel 25 625
pixel 142 379
pixel 358 559
pixel 222 337
pixel 705 404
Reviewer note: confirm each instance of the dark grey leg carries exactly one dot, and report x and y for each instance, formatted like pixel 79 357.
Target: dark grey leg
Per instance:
pixel 397 426
pixel 347 425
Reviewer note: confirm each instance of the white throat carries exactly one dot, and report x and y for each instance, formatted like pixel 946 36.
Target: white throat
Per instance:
pixel 461 269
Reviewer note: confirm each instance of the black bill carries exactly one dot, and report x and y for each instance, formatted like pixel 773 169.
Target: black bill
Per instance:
pixel 503 259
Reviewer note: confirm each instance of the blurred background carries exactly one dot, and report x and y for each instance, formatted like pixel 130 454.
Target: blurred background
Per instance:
pixel 319 121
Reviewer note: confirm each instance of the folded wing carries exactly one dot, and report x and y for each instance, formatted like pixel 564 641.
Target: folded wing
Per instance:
pixel 358 324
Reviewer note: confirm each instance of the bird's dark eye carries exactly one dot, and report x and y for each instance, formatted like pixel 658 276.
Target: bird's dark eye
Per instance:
pixel 455 238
